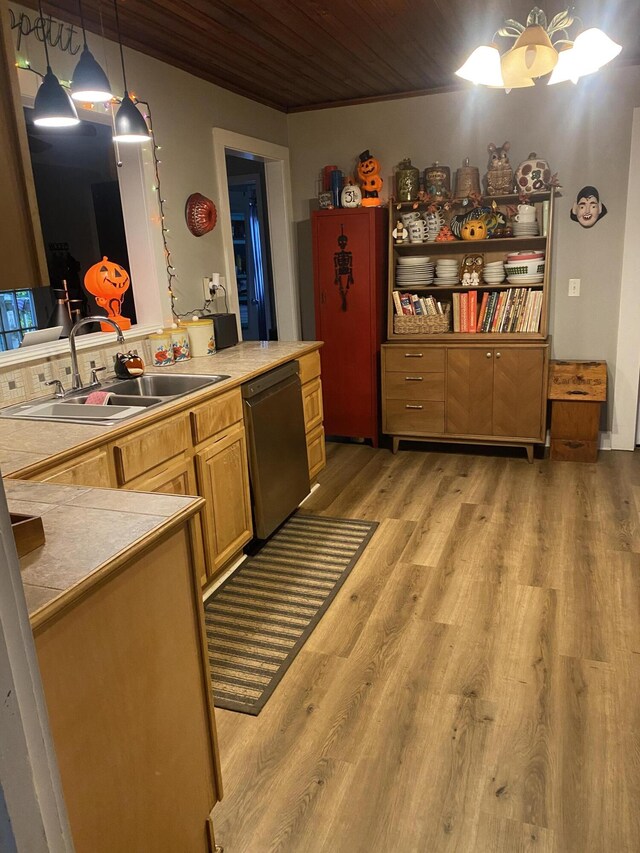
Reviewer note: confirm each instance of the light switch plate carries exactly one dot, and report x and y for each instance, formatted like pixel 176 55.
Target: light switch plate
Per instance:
pixel 574 287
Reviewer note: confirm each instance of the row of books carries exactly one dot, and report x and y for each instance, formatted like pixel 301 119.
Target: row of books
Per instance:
pixel 411 303
pixel 515 310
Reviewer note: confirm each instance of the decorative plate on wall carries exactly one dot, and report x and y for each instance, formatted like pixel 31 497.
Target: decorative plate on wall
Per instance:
pixel 201 214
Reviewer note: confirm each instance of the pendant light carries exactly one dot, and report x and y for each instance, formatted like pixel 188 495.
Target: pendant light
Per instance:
pixel 90 83
pixel 52 106
pixel 130 124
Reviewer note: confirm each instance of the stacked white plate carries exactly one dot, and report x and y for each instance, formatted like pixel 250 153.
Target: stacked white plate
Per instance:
pixel 412 271
pixel 525 229
pixel 447 271
pixel 494 272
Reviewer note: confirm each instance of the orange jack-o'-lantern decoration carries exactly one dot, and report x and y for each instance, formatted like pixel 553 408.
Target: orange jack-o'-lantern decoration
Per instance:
pixel 370 180
pixel 108 282
pixel 474 229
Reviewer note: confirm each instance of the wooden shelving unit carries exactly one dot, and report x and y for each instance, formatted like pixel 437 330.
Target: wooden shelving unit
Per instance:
pixel 472 388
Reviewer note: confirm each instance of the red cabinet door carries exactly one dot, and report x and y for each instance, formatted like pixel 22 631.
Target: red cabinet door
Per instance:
pixel 348 267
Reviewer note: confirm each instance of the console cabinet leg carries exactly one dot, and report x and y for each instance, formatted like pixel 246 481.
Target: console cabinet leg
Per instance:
pixel 530 453
pixel 396 443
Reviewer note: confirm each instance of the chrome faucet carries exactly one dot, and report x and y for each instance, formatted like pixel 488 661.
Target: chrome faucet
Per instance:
pixel 76 379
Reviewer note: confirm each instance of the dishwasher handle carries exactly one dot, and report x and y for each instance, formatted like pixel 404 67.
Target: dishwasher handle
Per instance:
pixel 268 380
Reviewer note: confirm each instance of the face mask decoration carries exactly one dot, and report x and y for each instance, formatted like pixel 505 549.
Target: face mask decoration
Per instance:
pixel 588 209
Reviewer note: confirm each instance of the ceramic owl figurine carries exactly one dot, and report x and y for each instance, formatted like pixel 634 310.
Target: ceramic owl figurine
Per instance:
pixel 471 270
pixel 499 175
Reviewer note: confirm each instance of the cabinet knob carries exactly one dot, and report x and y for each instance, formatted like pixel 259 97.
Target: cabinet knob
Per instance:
pixel 410 406
pixel 488 355
pixel 413 378
pixel 497 355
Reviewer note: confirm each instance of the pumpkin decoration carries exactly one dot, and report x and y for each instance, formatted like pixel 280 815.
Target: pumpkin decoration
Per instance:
pixel 108 283
pixel 474 229
pixel 370 180
pixel 201 214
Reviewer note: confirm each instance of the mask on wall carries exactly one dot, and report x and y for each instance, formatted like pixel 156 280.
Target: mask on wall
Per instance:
pixel 588 209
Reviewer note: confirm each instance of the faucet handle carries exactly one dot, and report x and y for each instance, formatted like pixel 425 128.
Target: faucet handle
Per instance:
pixel 94 375
pixel 60 392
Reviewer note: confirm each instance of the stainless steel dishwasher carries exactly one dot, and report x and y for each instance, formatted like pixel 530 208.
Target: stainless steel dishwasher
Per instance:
pixel 278 467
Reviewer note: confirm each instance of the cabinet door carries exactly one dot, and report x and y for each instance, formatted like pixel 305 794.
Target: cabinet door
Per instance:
pixel 518 380
pixel 179 479
pixel 469 391
pixel 223 478
pixel 346 290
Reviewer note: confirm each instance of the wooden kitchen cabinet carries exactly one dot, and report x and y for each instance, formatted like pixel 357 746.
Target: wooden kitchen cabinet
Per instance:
pixel 23 256
pixel 469 401
pixel 309 372
pixel 126 679
pixel 223 480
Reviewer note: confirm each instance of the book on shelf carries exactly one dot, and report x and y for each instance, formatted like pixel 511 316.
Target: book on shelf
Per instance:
pixel 411 303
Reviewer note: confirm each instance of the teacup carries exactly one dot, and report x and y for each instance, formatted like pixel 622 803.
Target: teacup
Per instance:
pixel 521 217
pixel 417 231
pixel 408 218
pixel 526 212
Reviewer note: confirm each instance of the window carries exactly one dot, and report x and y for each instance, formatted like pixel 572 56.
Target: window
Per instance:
pixel 17 316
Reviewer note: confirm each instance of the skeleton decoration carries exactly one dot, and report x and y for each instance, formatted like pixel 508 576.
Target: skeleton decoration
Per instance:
pixel 343 266
pixel 588 209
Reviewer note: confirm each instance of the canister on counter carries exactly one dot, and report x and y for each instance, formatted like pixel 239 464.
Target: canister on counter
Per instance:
pixel 180 343
pixel 161 348
pixel 201 337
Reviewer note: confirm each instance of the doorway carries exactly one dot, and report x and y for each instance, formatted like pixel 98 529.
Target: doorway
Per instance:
pixel 251 248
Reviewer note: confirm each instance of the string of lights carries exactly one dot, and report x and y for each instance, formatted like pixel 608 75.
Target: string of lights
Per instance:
pixel 172 275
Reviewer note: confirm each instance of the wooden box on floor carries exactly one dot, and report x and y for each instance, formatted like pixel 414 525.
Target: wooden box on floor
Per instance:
pixel 577 390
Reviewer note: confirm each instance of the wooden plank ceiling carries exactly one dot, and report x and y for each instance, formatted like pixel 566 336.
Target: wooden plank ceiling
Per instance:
pixel 305 54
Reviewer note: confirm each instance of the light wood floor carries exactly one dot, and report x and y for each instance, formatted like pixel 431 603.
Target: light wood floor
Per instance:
pixel 475 686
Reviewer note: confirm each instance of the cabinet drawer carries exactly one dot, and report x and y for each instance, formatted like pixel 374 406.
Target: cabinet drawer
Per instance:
pixel 573 450
pixel 402 417
pixel 312 402
pixel 414 357
pixel 150 447
pixel 216 415
pixel 309 366
pixel 316 453
pixel 91 470
pixel 414 385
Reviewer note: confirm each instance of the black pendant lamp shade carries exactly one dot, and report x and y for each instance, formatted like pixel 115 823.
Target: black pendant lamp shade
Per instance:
pixel 53 107
pixel 90 83
pixel 130 124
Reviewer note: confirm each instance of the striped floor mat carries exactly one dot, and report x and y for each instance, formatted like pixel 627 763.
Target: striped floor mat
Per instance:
pixel 260 617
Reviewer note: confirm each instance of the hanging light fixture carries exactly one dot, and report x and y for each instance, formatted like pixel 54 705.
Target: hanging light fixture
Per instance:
pixel 535 55
pixel 90 83
pixel 52 106
pixel 130 124
pixel 483 66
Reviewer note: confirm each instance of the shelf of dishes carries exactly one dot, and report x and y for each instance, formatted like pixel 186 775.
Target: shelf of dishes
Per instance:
pixel 510 198
pixel 518 268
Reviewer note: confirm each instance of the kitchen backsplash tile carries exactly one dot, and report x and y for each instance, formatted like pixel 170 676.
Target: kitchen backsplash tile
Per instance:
pixel 18 384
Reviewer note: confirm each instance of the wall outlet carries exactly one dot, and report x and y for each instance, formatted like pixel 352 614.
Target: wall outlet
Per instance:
pixel 574 287
pixel 207 287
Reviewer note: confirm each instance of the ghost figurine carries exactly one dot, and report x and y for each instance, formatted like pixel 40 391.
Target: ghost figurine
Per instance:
pixel 400 233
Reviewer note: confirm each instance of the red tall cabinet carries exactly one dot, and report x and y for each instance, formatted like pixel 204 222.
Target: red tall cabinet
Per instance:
pixel 350 269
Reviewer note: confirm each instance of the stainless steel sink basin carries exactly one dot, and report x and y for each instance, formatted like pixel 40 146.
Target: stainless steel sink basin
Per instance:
pixel 129 397
pixel 167 386
pixel 71 411
pixel 115 400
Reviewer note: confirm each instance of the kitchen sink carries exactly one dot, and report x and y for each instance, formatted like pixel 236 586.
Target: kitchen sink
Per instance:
pixel 168 386
pixel 129 397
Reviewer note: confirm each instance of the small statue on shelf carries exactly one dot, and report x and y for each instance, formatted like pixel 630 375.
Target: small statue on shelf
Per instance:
pixel 471 269
pixel 370 180
pixel 499 175
pixel 400 233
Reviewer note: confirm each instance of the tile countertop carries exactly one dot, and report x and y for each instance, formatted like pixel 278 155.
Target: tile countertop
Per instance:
pixel 86 530
pixel 24 443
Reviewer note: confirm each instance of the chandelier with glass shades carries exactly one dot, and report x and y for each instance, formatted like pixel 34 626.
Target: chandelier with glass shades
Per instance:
pixel 534 54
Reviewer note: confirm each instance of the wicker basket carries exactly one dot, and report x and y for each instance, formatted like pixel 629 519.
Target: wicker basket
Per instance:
pixel 435 324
